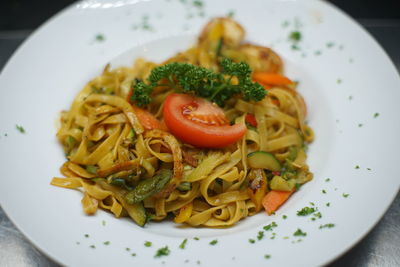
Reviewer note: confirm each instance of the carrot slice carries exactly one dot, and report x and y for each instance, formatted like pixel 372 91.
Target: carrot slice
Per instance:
pixel 274 199
pixel 272 79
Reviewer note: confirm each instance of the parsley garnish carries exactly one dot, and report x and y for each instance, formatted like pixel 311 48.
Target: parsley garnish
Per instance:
pixel 214 242
pixel 203 82
pixel 299 233
pixel 107 243
pixel 357 167
pixel 295 36
pixel 93 246
pixel 127 249
pixel 252 241
pixel 345 195
pixel 330 44
pixel 328 204
pixel 376 115
pixel 328 225
pixel 270 226
pixel 86 235
pixel 284 217
pixel 196 238
pixel 267 256
pixel 183 244
pixel 100 37
pixel 260 235
pixel 162 252
pixel 305 211
pixel 360 125
pixel 20 128
pixel 323 191
pixel 133 254
pixel 147 244
pixel 231 13
pixel 327 179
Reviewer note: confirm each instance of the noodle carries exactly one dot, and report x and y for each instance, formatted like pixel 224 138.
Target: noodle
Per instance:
pixel 110 150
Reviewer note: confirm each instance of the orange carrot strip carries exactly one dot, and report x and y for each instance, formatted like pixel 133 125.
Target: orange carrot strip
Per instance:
pixel 148 121
pixel 274 79
pixel 274 199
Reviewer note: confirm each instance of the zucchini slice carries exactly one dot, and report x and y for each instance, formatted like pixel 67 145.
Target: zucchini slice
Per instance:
pixel 263 160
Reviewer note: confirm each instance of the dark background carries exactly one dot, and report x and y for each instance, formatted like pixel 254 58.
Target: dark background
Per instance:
pixel 29 14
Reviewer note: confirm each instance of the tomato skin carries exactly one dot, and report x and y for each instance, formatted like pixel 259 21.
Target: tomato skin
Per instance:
pixel 194 132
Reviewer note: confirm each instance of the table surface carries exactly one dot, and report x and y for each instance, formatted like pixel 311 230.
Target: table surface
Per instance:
pixel 381 247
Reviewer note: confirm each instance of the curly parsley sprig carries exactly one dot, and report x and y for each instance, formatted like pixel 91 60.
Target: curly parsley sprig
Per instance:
pixel 234 79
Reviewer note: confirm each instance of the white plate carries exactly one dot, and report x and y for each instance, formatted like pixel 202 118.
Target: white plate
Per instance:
pixel 344 83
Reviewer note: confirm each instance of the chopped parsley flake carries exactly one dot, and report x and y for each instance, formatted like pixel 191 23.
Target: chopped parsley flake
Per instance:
pixel 360 125
pixel 100 37
pixel 345 195
pixel 295 36
pixel 376 115
pixel 107 243
pixel 147 244
pixel 20 128
pixel 350 97
pixel 318 52
pixel 252 241
pixel 284 217
pixel 103 223
pixel 327 179
pixel 328 225
pixel 267 256
pixel 231 13
pixel 323 191
pixel 317 215
pixel 133 254
pixel 312 204
pixel 93 246
pixel 305 211
pixel 86 235
pixel 164 251
pixel 270 226
pixel 285 24
pixel 196 238
pixel 357 167
pixel 330 44
pixel 214 242
pixel 260 235
pixel 328 204
pixel 339 81
pixel 198 3
pixel 368 169
pixel 127 249
pixel 198 262
pixel 285 237
pixel 183 244
pixel 299 232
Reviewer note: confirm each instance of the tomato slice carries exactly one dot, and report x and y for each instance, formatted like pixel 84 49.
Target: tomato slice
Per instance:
pixel 198 122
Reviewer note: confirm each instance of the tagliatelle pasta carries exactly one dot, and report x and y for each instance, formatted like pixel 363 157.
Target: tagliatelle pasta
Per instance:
pixel 127 160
